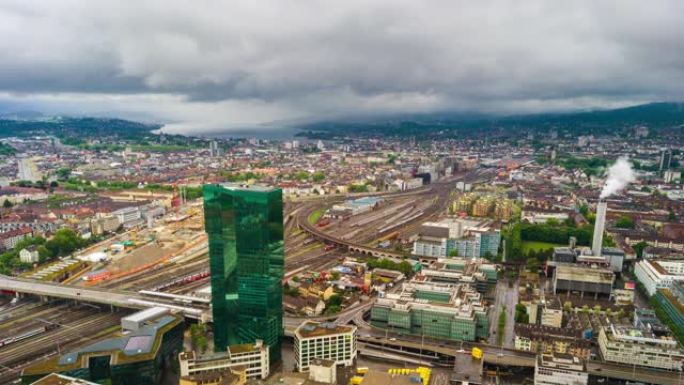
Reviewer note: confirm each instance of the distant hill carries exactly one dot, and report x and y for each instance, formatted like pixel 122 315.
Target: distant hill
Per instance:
pixel 73 127
pixel 660 117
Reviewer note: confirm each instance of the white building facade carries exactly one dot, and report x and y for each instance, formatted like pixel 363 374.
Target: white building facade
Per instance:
pixel 560 369
pixel 658 274
pixel 328 341
pixel 632 346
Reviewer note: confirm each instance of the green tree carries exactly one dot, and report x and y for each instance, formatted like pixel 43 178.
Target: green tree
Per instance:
pixel 625 222
pixel 533 264
pixel 7 204
pixel 318 176
pixel 639 249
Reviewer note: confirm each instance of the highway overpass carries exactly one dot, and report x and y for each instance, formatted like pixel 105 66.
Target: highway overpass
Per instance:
pixel 114 298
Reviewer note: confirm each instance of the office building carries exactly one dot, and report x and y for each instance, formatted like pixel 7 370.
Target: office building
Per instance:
pixel 560 369
pixel 476 272
pixel 254 358
pixel 658 274
pixel 327 341
pixel 134 358
pixel 436 310
pixel 652 347
pixel 671 301
pixel 245 230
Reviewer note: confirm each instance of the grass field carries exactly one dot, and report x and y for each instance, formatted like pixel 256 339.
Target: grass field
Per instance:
pixel 537 246
pixel 313 218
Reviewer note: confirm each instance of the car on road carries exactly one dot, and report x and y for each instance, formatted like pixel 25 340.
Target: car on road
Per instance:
pixel 392 339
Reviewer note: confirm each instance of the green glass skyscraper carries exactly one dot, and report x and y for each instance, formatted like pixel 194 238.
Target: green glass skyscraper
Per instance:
pixel 245 229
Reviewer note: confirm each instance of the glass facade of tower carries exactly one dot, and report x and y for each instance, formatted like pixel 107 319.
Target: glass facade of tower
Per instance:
pixel 245 230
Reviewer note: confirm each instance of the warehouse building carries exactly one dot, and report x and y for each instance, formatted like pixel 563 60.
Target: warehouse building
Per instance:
pixel 436 310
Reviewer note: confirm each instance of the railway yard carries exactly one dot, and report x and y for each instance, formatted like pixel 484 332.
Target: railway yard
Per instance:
pixel 172 258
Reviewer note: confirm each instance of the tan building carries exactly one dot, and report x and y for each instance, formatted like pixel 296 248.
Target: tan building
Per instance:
pixel 254 357
pixel 233 376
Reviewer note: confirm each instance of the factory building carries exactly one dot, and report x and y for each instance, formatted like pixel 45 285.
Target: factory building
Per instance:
pixel 586 280
pixel 436 310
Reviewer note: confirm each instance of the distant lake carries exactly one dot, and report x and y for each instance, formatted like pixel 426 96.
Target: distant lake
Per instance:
pixel 281 133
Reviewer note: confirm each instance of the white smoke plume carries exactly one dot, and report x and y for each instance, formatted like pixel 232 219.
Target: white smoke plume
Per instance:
pixel 620 175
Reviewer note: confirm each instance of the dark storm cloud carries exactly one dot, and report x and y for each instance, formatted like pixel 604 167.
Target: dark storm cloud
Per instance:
pixel 242 62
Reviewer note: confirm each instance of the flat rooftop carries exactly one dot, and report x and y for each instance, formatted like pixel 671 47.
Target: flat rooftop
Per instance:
pixel 250 187
pixel 586 274
pixel 59 379
pixel 315 329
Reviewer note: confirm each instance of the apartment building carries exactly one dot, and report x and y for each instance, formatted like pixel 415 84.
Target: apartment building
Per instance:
pixel 651 347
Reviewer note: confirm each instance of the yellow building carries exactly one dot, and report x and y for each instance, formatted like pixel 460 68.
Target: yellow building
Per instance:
pixel 503 209
pixel 483 206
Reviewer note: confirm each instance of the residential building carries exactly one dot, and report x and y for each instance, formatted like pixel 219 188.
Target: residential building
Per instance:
pixel 437 310
pixel 29 254
pixel 254 358
pixel 246 257
pixel 658 274
pixel 135 357
pixel 552 316
pixel 652 347
pixel 9 239
pixel 671 176
pixel 560 369
pixel 551 340
pixel 327 341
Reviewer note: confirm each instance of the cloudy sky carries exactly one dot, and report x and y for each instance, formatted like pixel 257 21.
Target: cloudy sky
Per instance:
pixel 215 65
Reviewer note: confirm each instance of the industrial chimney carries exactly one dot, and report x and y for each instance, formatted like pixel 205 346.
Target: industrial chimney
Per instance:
pixel 599 225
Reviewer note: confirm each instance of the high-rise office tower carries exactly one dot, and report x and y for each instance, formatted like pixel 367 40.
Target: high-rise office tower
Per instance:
pixel 245 229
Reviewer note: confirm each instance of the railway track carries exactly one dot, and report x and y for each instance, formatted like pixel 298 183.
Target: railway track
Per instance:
pixel 75 329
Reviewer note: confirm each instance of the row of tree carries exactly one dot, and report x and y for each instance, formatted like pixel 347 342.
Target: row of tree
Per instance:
pixel 64 242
